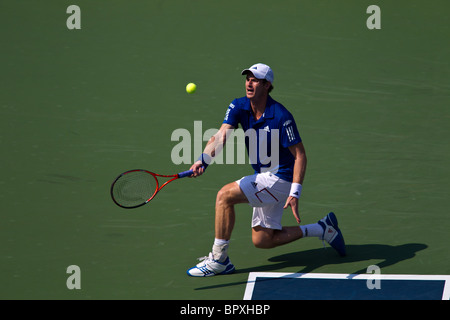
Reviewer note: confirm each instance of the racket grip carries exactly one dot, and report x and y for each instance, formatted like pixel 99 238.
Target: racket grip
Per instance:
pixel 186 173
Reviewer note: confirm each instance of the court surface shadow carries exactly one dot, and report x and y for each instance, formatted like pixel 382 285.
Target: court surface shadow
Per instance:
pixel 309 260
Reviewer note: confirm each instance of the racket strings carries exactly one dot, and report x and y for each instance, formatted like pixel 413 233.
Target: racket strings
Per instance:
pixel 134 188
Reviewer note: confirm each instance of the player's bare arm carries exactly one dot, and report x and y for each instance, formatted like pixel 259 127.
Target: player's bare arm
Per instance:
pixel 213 147
pixel 298 151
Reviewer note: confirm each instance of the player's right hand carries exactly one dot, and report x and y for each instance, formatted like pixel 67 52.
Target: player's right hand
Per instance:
pixel 197 168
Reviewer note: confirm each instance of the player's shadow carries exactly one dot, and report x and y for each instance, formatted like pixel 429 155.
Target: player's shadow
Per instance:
pixel 310 260
pixel 316 258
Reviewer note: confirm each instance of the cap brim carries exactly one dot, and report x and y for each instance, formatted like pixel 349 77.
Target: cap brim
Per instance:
pixel 245 71
pixel 257 76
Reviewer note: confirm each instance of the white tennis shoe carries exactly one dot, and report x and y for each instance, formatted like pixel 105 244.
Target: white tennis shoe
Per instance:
pixel 209 267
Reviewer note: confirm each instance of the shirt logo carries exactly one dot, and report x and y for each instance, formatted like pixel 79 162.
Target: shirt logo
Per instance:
pixel 230 107
pixel 290 133
pixel 288 122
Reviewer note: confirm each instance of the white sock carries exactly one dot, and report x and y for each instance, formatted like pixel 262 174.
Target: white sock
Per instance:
pixel 220 249
pixel 312 230
pixel 221 242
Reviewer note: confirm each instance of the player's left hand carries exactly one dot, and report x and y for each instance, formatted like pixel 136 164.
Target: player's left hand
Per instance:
pixel 293 203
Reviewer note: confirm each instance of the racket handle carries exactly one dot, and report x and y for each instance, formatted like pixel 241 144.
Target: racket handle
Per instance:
pixel 186 173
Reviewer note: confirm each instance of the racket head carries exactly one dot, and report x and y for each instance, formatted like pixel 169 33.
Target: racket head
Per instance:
pixel 134 188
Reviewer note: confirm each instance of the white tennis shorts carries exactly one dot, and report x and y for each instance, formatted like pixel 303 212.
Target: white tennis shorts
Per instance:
pixel 267 195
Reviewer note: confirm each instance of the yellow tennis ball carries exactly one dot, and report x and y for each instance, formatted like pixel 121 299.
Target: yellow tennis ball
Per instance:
pixel 191 87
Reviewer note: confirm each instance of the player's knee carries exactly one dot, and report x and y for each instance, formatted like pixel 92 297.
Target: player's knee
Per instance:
pixel 221 197
pixel 224 196
pixel 262 243
pixel 262 238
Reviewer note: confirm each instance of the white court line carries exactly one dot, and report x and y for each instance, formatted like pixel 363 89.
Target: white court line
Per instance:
pixel 253 275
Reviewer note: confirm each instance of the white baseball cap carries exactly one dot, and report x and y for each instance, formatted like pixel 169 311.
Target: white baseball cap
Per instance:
pixel 260 71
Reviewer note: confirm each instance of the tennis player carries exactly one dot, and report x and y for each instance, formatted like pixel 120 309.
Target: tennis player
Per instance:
pixel 272 188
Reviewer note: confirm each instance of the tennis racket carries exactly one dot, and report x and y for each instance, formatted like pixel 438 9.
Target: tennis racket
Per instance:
pixel 134 188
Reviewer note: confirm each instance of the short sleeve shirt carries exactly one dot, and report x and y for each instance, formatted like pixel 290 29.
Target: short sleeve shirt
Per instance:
pixel 268 138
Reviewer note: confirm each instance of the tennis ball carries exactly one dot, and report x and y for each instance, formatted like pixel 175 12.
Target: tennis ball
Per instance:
pixel 191 87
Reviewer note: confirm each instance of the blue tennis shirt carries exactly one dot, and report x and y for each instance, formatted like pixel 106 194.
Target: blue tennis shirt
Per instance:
pixel 276 123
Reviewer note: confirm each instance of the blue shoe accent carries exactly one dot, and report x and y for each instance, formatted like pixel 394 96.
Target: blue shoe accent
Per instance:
pixel 210 267
pixel 230 267
pixel 332 234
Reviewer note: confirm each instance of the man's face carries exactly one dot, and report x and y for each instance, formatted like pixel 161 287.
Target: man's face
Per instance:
pixel 254 87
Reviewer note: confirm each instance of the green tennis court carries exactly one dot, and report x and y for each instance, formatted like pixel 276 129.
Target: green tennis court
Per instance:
pixel 77 107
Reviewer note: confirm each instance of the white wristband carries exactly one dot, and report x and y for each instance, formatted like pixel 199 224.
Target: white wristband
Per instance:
pixel 296 190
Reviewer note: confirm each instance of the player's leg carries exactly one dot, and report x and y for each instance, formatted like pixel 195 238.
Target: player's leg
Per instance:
pixel 230 195
pixel 270 238
pixel 218 262
pixel 267 230
pixel 326 229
